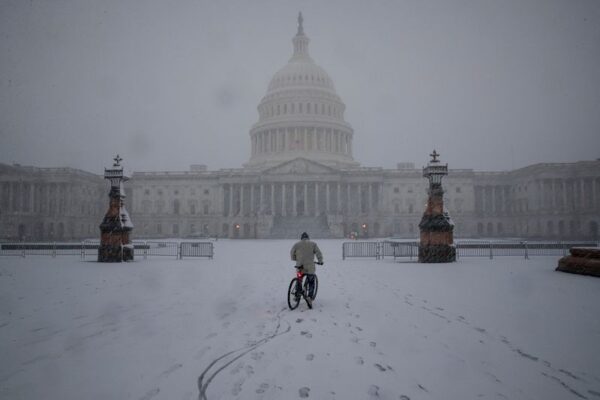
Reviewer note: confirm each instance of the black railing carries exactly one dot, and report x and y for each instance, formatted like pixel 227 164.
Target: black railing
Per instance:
pixel 464 248
pixel 89 248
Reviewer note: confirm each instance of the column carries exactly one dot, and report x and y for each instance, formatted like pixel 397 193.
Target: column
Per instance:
pixel 339 199
pixel 252 209
pixel 348 202
pixel 305 211
pixel 370 200
pixel 242 199
pixel 295 200
pixel 283 199
pixel 360 197
pixel 261 202
pixel 327 201
pixel 316 198
pixel 230 213
pixel 272 205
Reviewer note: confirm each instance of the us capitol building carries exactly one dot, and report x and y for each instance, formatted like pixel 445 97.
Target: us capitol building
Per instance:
pixel 301 176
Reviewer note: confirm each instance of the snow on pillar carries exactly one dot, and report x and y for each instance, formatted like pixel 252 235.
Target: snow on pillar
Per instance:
pixel 115 244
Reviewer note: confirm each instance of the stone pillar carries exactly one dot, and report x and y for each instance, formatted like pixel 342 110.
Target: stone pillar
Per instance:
pixel 272 207
pixel 370 200
pixel 348 199
pixel 230 213
pixel 436 238
pixel 115 243
pixel 252 205
pixel 360 197
pixel 294 200
pixel 316 210
pixel 283 210
pixel 305 211
pixel 242 212
pixel 339 198
pixel 261 202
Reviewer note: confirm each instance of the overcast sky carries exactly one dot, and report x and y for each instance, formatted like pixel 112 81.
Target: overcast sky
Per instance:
pixel 492 85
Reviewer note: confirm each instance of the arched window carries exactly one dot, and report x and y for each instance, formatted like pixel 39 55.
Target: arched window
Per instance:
pixel 308 108
pixel 176 206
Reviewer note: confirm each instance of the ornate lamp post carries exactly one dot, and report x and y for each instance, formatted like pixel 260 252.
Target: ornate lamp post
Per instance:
pixel 115 245
pixel 437 242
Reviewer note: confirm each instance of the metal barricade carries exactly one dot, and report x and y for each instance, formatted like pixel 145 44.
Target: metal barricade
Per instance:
pixel 196 249
pixel 360 249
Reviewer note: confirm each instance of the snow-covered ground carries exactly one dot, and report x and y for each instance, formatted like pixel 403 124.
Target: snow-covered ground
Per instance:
pixel 506 328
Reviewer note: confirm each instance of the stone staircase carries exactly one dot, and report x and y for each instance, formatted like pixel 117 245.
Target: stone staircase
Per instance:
pixel 290 227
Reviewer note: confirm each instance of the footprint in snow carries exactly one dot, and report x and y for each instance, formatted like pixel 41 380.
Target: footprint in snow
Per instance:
pixel 373 391
pixel 262 388
pixel 257 355
pixel 299 320
pixel 310 357
pixel 359 360
pixel 372 344
pixel 306 333
pixel 303 391
pixel 237 387
pixel 379 367
pixel 237 369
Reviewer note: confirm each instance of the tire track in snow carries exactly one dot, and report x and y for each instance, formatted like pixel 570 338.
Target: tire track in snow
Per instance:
pixel 225 360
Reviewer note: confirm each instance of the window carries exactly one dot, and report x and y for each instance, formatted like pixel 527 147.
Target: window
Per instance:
pixel 206 191
pixel 147 192
pixel 205 209
pixel 396 190
pixel 458 189
pixel 397 208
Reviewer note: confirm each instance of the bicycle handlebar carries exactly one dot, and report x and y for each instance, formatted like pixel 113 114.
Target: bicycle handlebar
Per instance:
pixel 302 266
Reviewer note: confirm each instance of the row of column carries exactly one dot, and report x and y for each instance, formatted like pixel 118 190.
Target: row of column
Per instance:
pixel 492 199
pixel 301 198
pixel 545 194
pixel 569 194
pixel 301 138
pixel 42 198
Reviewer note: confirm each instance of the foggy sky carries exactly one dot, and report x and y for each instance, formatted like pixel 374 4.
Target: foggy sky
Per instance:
pixel 492 85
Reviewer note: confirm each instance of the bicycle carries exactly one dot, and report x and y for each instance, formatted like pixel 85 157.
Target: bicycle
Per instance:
pixel 299 289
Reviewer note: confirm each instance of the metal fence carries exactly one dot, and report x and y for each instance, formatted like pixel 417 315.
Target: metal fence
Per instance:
pixel 464 248
pixel 89 248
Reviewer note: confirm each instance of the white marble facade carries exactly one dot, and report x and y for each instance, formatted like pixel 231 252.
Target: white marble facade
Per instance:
pixel 301 176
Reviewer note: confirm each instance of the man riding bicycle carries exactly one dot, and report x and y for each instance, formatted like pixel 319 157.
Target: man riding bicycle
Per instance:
pixel 303 252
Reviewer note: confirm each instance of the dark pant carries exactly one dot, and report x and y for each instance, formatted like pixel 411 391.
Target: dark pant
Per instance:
pixel 310 280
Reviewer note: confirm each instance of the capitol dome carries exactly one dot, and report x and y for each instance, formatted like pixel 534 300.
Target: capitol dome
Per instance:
pixel 301 115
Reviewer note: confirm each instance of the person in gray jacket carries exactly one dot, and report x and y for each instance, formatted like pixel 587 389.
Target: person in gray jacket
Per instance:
pixel 304 252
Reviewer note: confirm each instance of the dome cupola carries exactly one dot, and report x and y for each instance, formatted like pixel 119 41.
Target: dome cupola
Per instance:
pixel 301 115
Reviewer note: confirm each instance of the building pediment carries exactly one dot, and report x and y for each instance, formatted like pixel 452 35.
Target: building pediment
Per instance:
pixel 299 166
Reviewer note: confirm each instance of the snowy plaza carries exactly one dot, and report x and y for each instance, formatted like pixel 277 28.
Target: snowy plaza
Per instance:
pixel 160 328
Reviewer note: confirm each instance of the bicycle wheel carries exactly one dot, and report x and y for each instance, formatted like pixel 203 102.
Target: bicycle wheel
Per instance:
pixel 305 286
pixel 294 295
